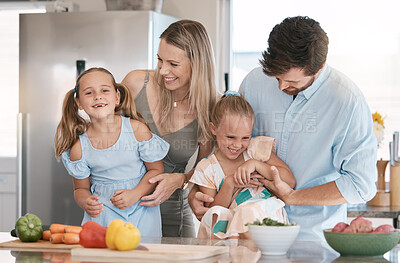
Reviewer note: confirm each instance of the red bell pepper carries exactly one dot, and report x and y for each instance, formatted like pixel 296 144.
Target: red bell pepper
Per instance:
pixel 93 235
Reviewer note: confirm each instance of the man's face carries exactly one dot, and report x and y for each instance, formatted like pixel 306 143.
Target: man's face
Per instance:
pixel 294 81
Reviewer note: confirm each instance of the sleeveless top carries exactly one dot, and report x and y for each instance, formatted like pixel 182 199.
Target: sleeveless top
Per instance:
pixel 183 142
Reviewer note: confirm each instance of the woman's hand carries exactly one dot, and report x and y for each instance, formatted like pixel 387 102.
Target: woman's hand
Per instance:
pixel 124 198
pixel 281 189
pixel 166 185
pixel 93 206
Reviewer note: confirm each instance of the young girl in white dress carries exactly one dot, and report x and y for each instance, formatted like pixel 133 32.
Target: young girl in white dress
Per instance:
pixel 230 174
pixel 112 156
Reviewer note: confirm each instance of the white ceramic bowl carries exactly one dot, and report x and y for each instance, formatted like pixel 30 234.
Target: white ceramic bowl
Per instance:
pixel 273 240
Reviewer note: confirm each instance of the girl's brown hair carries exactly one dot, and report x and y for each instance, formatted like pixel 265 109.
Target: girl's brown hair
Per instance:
pixel 229 104
pixel 191 37
pixel 72 124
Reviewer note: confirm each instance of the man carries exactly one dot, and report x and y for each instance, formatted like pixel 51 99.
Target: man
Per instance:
pixel 322 125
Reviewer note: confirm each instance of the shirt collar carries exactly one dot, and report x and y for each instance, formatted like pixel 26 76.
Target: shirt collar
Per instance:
pixel 307 93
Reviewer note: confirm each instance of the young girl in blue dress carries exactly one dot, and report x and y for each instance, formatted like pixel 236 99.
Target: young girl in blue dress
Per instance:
pixel 112 156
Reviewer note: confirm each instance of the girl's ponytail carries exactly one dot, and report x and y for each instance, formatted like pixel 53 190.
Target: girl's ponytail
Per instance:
pixel 127 106
pixel 71 125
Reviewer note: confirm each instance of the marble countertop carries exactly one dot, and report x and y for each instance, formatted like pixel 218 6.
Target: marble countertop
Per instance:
pixel 240 251
pixel 373 211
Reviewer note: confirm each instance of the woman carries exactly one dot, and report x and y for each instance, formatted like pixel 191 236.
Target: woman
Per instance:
pixel 176 100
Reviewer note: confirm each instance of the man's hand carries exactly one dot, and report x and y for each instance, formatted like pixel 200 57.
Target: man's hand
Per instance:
pixel 281 189
pixel 197 200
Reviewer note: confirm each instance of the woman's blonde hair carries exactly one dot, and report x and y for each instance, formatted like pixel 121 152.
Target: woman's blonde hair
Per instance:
pixel 192 37
pixel 228 104
pixel 72 124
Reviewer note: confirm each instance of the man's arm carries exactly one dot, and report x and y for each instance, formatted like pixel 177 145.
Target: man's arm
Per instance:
pixel 325 194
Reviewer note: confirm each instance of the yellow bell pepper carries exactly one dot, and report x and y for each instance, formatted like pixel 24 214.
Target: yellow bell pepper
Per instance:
pixel 122 235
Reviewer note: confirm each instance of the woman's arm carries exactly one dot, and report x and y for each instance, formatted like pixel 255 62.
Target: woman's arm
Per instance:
pixel 134 80
pixel 169 182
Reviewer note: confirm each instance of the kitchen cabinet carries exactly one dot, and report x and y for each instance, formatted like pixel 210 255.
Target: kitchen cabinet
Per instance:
pixel 8 193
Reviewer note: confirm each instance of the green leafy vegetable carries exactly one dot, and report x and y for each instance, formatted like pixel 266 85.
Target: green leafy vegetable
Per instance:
pixel 269 222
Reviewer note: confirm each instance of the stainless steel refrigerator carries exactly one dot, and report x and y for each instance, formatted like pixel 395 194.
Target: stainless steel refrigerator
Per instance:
pixel 54 48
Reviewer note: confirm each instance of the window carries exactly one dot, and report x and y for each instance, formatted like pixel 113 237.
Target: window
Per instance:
pixel 9 68
pixel 364 44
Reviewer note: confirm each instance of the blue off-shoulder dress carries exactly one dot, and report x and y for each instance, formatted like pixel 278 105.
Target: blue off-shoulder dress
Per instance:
pixel 120 166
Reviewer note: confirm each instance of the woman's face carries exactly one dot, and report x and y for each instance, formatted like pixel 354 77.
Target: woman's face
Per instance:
pixel 174 66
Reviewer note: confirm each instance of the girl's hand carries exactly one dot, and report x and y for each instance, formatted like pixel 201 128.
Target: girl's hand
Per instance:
pixel 253 182
pixel 93 206
pixel 243 173
pixel 167 184
pixel 277 186
pixel 124 198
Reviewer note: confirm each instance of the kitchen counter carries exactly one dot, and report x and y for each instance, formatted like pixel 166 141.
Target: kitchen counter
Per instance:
pixel 240 251
pixel 375 212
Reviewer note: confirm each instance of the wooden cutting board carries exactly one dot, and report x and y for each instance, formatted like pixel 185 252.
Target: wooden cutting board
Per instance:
pixel 154 252
pixel 40 245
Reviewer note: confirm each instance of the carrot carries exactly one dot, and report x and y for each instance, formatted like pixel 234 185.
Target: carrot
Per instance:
pixel 57 228
pixel 73 229
pixel 56 238
pixel 46 235
pixel 70 238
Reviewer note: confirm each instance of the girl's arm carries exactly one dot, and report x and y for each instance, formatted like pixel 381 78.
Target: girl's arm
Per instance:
pixel 82 193
pixel 84 198
pixel 124 198
pixel 224 196
pixel 204 151
pixel 244 171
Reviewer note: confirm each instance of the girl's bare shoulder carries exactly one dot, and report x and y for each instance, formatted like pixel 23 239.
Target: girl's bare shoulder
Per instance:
pixel 76 151
pixel 140 130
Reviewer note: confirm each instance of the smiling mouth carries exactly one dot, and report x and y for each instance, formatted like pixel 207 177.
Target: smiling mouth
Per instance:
pixel 169 80
pixel 100 105
pixel 233 151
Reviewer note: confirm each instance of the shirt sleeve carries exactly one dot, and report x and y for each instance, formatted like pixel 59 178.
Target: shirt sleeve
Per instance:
pixel 260 148
pixel 153 150
pixel 79 169
pixel 203 175
pixel 355 156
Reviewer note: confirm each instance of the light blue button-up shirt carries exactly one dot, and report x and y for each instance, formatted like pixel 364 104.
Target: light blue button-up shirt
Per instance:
pixel 325 134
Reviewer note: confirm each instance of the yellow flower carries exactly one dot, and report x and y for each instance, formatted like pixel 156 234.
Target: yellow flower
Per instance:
pixel 378 118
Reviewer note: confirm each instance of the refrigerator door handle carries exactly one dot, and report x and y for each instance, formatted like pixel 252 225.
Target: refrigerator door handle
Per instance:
pixel 21 152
